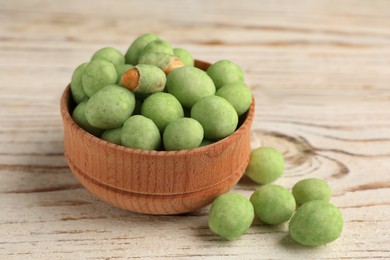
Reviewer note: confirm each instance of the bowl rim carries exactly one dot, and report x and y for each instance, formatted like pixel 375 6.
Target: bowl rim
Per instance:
pixel 66 116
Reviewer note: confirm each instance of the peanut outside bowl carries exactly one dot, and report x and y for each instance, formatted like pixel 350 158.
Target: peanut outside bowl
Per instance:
pixel 155 182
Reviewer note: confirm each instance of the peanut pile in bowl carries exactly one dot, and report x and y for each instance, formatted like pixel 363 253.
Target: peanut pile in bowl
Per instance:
pixel 154 98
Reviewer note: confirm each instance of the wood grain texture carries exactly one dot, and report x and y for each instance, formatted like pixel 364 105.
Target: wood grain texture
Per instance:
pixel 319 71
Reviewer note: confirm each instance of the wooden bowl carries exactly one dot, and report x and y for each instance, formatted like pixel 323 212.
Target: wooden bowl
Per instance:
pixel 155 182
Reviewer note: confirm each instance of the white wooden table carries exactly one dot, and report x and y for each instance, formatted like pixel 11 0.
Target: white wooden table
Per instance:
pixel 320 73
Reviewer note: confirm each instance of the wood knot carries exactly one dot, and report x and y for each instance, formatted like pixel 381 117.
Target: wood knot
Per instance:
pixel 302 159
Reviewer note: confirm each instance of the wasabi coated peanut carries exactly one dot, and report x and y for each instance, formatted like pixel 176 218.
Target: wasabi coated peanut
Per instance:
pixel 162 108
pixel 112 135
pixel 76 84
pixel 164 61
pixel 78 116
pixel 182 134
pixel 230 215
pixel 316 223
pixel 238 94
pixel 111 55
pixel 158 46
pixel 121 69
pixel 265 165
pixel 110 107
pixel 97 75
pixel 145 79
pixel 135 49
pixel 225 72
pixel 189 84
pixel 273 204
pixel 184 56
pixel 141 133
pixel 216 115
pixel 311 189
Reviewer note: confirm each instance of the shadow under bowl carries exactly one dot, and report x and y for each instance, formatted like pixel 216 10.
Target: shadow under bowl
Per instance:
pixel 155 182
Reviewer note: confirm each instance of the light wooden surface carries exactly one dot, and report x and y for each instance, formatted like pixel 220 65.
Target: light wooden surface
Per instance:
pixel 320 72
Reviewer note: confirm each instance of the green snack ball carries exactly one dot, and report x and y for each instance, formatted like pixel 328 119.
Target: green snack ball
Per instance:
pixel 120 69
pixel 162 108
pixel 189 84
pixel 266 165
pixel 158 59
pixel 230 215
pixel 205 142
pixel 224 72
pixel 273 204
pixel 184 56
pixel 78 116
pixel 133 52
pixel 151 80
pixel 112 135
pixel 141 133
pixel 76 84
pixel 111 55
pixel 182 134
pixel 97 75
pixel 158 45
pixel 316 223
pixel 238 94
pixel 311 189
pixel 110 107
pixel 216 115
